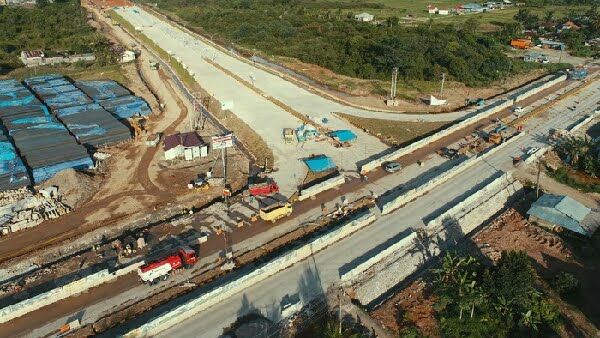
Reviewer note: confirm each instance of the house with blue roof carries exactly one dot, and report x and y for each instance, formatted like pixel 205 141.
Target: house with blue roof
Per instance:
pixel 558 213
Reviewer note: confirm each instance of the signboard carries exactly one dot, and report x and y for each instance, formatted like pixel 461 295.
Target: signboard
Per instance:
pixel 220 142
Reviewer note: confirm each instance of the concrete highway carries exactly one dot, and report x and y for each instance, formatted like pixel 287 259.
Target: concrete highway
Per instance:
pixel 311 277
pixel 245 100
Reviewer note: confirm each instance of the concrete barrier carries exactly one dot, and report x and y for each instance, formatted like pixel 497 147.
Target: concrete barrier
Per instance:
pixel 585 121
pixel 492 108
pixel 319 188
pixel 34 303
pixel 372 284
pixel 220 293
pixel 410 195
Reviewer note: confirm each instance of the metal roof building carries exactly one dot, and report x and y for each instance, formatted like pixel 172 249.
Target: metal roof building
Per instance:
pixel 563 211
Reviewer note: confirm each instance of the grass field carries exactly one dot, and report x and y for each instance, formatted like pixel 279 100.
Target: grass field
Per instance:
pixel 93 72
pixel 395 132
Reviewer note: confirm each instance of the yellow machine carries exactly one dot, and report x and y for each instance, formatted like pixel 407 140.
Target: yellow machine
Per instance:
pixel 200 184
pixel 288 135
pixel 276 211
pixel 138 123
pixel 495 138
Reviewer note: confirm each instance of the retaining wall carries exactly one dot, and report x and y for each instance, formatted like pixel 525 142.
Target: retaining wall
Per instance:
pixel 496 106
pixel 410 195
pixel 319 188
pixel 31 304
pixel 225 291
pixel 372 284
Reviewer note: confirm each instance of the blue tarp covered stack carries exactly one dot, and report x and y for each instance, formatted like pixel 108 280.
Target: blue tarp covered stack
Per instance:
pixel 44 143
pixel 319 163
pixel 93 126
pixel 57 92
pixel 13 174
pixel 115 98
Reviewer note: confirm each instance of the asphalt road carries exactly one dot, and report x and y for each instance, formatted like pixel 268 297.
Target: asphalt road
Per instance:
pixel 312 276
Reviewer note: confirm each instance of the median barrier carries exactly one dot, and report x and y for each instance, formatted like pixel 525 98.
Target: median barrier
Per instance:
pixel 373 284
pixel 11 312
pixel 319 188
pixel 220 293
pixel 492 108
pixel 410 195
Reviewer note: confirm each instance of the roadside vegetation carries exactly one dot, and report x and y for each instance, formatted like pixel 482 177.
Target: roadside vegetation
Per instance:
pixel 326 34
pixel 496 301
pixel 52 27
pixel 581 167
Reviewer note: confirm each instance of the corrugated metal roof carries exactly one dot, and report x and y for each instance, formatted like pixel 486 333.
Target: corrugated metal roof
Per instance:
pixel 561 210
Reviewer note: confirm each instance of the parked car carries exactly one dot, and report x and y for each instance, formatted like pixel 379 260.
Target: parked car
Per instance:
pixel 532 150
pixel 392 167
pixel 518 109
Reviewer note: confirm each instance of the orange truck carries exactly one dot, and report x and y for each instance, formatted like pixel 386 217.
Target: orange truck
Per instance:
pixel 521 43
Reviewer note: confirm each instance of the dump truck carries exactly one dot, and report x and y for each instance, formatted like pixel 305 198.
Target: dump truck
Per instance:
pixel 153 272
pixel 276 211
pixel 263 189
pixel 288 135
pixel 521 43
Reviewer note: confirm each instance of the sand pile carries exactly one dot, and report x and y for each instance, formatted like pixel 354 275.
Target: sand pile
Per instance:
pixel 75 187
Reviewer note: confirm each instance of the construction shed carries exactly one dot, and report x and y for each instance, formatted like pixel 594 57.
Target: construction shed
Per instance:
pixel 184 145
pixel 343 135
pixel 558 212
pixel 319 163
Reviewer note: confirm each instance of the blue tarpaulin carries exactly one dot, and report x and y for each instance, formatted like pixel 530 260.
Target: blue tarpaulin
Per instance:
pixel 343 135
pixel 319 163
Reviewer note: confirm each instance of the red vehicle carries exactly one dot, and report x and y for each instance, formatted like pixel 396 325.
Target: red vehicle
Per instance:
pixel 263 189
pixel 161 268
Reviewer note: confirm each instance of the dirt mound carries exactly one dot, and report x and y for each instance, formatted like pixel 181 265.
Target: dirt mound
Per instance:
pixel 75 187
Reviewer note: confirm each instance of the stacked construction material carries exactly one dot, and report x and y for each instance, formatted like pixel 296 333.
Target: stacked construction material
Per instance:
pixel 114 98
pixel 93 126
pixel 13 174
pixel 45 144
pixel 57 92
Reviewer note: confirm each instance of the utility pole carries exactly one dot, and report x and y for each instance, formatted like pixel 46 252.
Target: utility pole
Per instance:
pixel 340 308
pixel 394 80
pixel 537 184
pixel 442 89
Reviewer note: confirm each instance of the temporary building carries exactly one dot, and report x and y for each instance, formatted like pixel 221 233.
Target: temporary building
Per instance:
pixel 319 163
pixel 343 135
pixel 187 145
pixel 555 210
pixel 433 101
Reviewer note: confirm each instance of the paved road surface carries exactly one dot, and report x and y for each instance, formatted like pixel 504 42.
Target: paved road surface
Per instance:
pixel 264 116
pixel 310 277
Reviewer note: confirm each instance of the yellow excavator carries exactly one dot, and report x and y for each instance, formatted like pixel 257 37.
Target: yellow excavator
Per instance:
pixel 138 123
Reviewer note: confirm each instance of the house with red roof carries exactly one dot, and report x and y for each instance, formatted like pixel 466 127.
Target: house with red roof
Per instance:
pixel 188 146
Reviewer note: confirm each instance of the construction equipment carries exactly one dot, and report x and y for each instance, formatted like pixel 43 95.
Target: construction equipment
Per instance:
pixel 138 123
pixel 495 138
pixel 475 102
pixel 521 43
pixel 276 211
pixel 266 188
pixel 200 184
pixel 288 135
pixel 152 272
pixel 153 65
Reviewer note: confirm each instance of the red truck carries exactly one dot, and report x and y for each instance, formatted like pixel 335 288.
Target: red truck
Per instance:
pixel 263 189
pixel 152 272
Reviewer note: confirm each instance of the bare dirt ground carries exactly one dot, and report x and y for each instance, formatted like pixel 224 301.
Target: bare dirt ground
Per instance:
pixel 412 306
pixel 360 92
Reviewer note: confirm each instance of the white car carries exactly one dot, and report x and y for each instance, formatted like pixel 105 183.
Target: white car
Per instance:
pixel 518 109
pixel 532 150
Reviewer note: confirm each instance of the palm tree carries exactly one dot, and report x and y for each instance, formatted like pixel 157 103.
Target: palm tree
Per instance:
pixel 549 15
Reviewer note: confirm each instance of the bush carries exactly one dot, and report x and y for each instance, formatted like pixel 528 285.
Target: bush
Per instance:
pixel 565 283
